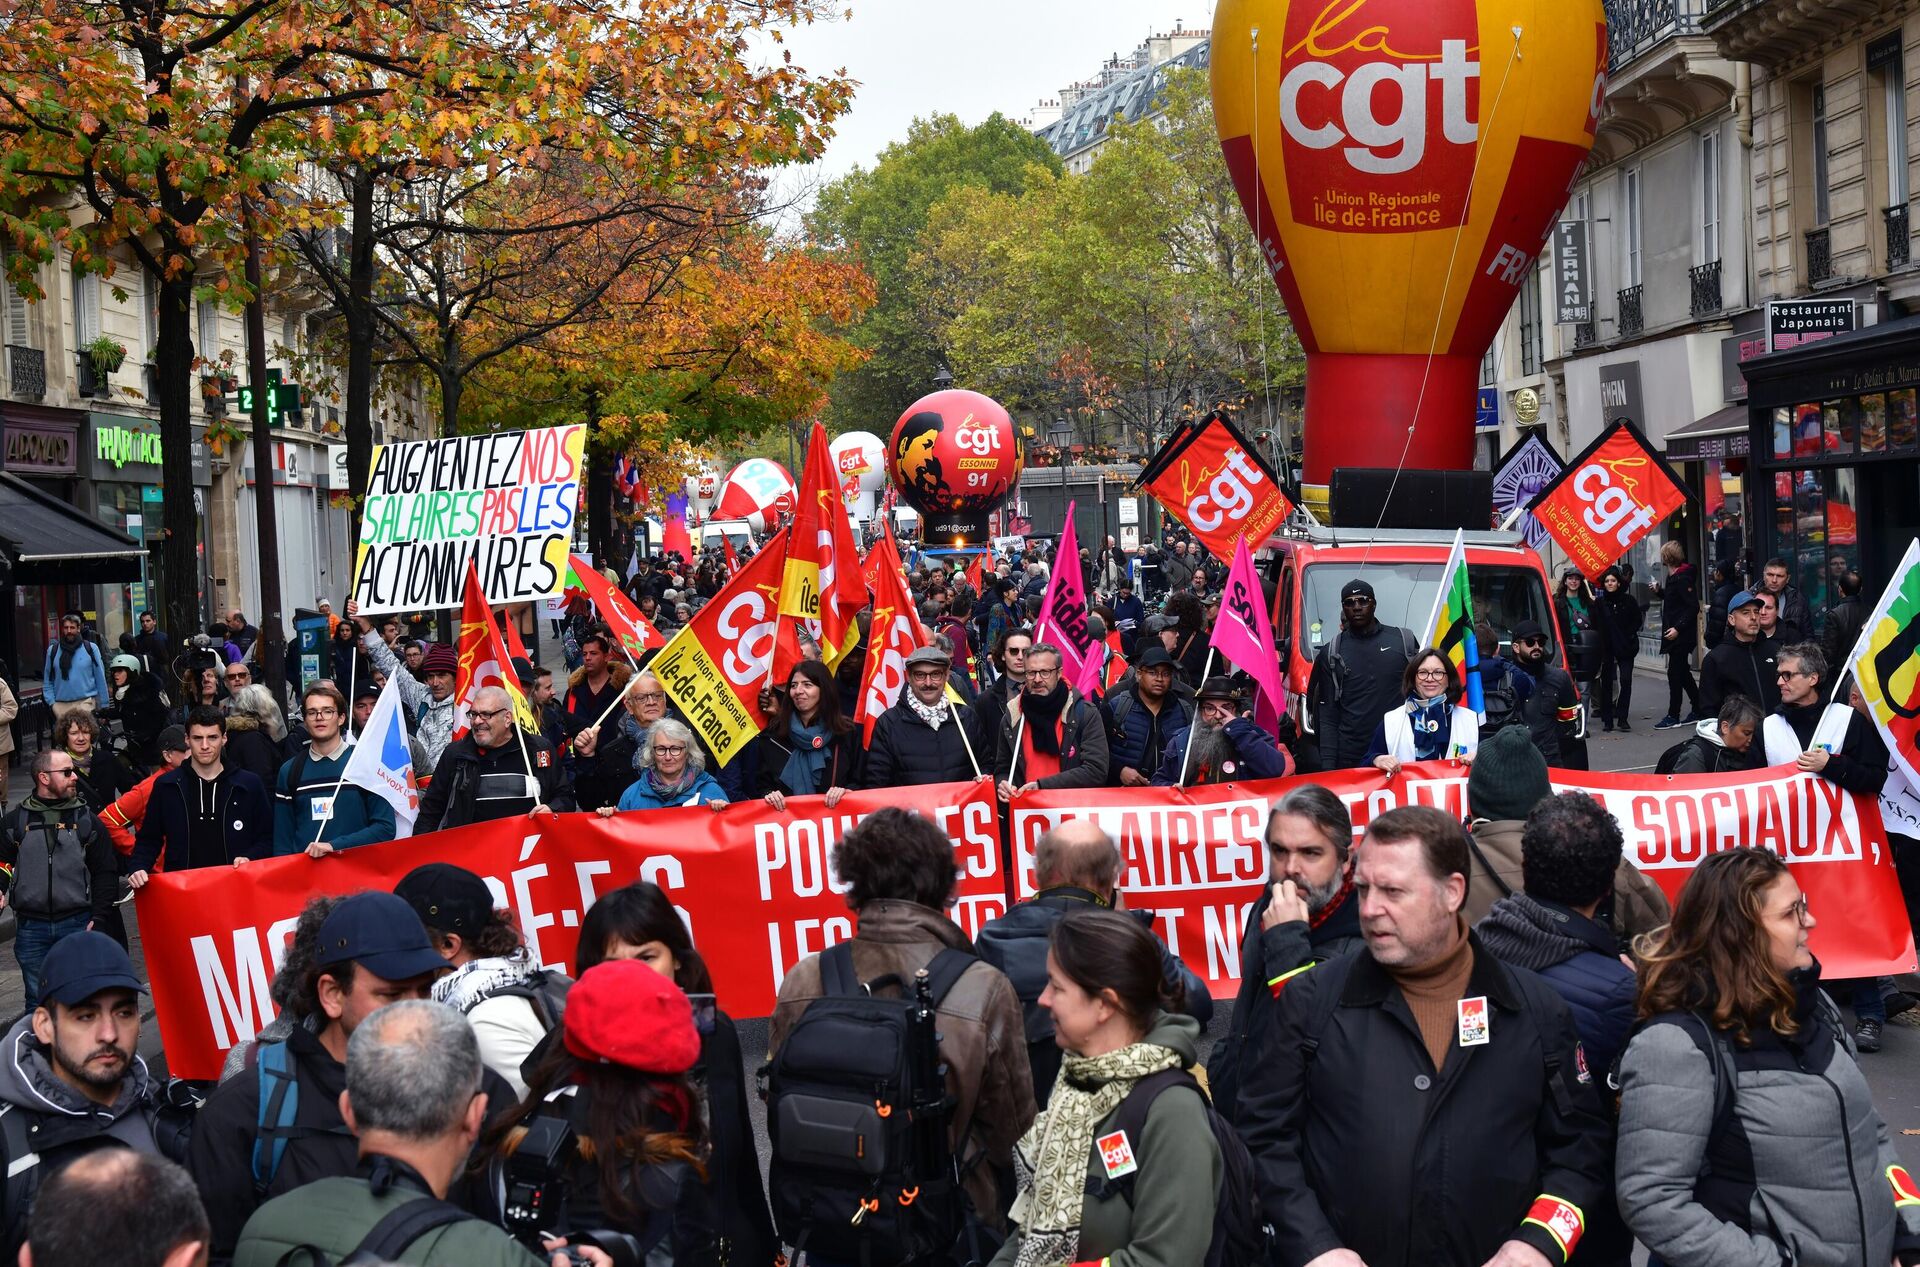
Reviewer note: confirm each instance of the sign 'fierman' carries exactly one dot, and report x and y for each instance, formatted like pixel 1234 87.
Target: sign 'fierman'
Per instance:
pixel 505 500
pixel 1572 273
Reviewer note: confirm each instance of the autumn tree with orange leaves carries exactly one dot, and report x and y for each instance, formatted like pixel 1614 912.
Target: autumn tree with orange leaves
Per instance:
pixel 159 127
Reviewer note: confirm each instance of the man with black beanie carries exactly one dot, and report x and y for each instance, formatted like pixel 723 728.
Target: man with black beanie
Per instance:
pixel 1356 679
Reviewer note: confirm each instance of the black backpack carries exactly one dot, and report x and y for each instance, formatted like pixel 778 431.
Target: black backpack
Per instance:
pixel 1671 757
pixel 1502 702
pixel 546 990
pixel 389 1238
pixel 1240 1234
pixel 857 1112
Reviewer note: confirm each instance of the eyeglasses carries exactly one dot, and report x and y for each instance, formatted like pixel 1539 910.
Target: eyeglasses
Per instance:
pixel 64 769
pixel 480 715
pixel 1431 673
pixel 1784 674
pixel 644 696
pixel 1358 600
pixel 1035 675
pixel 1800 912
pixel 322 712
pixel 237 674
pixel 669 749
pixel 1529 642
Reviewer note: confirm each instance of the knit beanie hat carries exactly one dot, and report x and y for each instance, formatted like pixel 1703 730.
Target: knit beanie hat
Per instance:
pixel 1508 778
pixel 439 659
pixel 622 1012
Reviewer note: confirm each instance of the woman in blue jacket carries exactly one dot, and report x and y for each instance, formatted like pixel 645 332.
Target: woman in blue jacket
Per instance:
pixel 673 772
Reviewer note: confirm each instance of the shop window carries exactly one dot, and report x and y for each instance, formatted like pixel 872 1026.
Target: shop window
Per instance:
pixel 1821 199
pixel 1903 420
pixel 1873 423
pixel 1839 425
pixel 1816 529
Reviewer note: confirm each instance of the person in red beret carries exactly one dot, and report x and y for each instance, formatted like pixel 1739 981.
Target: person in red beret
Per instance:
pixel 619 1077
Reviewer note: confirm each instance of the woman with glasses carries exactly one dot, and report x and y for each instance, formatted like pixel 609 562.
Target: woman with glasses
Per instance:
pixel 1432 725
pixel 1747 1134
pixel 808 748
pixel 673 771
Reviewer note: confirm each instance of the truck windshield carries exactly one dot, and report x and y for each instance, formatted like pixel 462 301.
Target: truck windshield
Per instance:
pixel 1502 596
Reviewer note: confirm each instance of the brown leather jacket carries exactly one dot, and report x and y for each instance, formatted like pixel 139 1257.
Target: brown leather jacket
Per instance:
pixel 982 1037
pixel 1638 904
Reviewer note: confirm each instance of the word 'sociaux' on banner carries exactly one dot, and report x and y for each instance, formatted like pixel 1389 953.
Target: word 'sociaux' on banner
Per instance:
pixel 756 889
pixel 504 500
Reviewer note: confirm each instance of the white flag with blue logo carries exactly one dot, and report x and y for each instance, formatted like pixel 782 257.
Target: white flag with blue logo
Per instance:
pixel 382 760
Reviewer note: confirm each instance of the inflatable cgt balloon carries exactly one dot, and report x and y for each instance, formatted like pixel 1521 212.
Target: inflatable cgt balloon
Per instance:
pixel 954 457
pixel 860 464
pixel 1402 162
pixel 758 491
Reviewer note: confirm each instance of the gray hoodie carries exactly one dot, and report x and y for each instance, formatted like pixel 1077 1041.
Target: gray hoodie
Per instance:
pixel 46 1124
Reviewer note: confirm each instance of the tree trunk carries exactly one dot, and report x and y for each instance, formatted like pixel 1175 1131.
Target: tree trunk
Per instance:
pixel 360 338
pixel 183 609
pixel 273 636
pixel 599 486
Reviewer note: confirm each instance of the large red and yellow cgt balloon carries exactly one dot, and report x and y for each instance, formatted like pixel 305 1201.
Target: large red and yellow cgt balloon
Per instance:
pixel 1402 162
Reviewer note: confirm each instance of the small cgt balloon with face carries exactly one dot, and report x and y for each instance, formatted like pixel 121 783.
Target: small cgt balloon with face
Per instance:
pixel 954 457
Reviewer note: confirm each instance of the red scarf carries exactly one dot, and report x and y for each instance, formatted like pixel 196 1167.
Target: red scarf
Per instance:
pixel 1042 765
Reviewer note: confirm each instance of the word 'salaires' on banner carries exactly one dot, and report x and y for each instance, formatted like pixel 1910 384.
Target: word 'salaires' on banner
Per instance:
pixel 504 502
pixel 753 884
pixel 1210 479
pixel 755 888
pixel 1609 497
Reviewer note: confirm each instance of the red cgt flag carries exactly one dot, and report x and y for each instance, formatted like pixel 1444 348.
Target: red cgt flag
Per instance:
pixel 1215 483
pixel 483 660
pixel 1609 497
pixel 820 582
pixel 636 634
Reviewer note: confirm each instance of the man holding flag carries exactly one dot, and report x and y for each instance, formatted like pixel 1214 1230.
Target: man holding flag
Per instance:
pixel 484 774
pixel 381 761
pixel 315 809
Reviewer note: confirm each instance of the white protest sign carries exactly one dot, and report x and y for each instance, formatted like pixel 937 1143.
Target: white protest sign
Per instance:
pixel 504 500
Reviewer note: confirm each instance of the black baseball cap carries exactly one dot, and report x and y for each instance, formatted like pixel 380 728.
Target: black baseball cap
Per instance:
pixel 173 739
pixel 81 965
pixel 1155 658
pixel 447 898
pixel 1356 588
pixel 1528 629
pixel 381 933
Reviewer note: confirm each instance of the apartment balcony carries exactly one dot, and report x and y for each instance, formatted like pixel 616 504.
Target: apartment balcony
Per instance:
pixel 1899 236
pixel 1664 74
pixel 1632 320
pixel 1704 282
pixel 1584 335
pixel 1772 32
pixel 1819 256
pixel 26 372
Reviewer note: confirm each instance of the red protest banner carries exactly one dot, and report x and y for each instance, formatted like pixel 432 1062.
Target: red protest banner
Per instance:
pixel 1198 856
pixel 1608 498
pixel 1217 485
pixel 753 884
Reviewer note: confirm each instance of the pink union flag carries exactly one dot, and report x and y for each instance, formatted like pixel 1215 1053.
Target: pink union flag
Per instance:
pixel 1063 616
pixel 1244 636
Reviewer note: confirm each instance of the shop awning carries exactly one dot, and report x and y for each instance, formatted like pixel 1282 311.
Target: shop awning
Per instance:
pixel 48 542
pixel 1722 434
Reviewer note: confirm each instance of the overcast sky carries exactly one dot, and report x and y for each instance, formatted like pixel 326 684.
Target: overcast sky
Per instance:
pixel 913 58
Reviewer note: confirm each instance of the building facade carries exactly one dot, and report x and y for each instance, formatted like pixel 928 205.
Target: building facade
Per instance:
pixel 85 431
pixel 1075 123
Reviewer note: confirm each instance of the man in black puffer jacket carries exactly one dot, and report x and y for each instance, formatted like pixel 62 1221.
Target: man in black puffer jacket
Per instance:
pixel 1076 865
pixel 926 737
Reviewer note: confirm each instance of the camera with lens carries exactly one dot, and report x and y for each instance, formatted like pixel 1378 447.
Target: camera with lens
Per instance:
pixel 534 1203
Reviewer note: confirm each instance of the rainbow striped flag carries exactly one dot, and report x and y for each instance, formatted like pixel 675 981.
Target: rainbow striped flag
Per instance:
pixel 1451 628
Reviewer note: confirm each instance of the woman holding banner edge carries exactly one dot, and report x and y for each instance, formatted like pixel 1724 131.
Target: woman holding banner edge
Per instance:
pixel 1432 725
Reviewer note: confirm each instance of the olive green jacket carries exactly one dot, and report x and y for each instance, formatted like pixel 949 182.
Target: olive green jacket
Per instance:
pixel 335 1215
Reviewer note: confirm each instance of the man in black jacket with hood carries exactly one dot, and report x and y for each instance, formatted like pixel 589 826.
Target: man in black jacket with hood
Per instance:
pixel 1075 865
pixel 1306 915
pixel 484 774
pixel 1743 663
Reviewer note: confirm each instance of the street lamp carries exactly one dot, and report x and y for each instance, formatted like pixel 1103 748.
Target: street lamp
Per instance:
pixel 942 379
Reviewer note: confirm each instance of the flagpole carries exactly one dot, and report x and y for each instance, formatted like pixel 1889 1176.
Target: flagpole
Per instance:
pixel 1187 753
pixel 1440 599
pixel 1018 730
pixel 346 725
pixel 968 743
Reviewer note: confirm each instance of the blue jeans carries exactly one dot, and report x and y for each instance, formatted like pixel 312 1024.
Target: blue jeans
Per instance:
pixel 33 939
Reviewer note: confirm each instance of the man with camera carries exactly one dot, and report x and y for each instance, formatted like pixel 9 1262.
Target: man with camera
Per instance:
pixel 414 1103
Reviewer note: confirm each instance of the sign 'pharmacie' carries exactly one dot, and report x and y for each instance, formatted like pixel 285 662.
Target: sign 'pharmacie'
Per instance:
pixel 505 500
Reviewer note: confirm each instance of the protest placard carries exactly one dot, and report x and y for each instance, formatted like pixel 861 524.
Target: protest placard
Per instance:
pixel 505 500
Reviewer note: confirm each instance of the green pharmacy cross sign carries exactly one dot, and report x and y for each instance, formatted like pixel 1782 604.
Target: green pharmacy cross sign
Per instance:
pixel 283 399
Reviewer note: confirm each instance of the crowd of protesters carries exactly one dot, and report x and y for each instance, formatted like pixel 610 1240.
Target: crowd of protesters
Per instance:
pixel 1487 1043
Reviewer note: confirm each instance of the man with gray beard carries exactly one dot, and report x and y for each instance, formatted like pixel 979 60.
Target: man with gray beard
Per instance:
pixel 1304 916
pixel 1227 746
